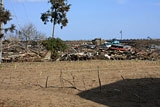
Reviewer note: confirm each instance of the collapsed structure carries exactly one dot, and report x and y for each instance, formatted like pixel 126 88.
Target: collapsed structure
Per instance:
pixel 84 50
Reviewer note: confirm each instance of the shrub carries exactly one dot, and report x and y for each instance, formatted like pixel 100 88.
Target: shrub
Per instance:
pixel 54 45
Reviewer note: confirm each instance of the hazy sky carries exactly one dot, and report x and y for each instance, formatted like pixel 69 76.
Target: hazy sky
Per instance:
pixel 89 19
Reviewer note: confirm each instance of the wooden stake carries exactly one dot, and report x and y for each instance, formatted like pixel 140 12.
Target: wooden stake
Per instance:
pixel 84 83
pixel 61 79
pixel 46 82
pixel 99 79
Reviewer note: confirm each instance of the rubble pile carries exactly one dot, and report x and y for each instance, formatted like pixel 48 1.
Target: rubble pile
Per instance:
pixel 114 50
pixel 17 52
pixel 91 50
pixel 110 55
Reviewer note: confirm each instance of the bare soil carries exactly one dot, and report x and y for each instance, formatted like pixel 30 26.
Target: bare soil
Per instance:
pixel 76 84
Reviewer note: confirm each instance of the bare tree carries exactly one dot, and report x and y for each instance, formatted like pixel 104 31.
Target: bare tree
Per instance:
pixel 29 33
pixel 38 38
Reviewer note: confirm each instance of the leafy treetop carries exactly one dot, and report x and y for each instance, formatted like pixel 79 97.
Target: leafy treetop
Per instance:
pixel 57 13
pixel 5 16
pixel 55 45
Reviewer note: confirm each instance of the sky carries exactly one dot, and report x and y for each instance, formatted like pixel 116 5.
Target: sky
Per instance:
pixel 89 19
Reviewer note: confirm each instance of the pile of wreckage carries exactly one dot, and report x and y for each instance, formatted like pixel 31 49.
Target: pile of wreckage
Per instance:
pixel 113 50
pixel 94 50
pixel 18 51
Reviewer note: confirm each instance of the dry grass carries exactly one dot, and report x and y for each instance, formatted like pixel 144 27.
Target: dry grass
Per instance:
pixel 22 84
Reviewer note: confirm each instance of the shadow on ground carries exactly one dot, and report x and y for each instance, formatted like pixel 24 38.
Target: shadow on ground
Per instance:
pixel 127 93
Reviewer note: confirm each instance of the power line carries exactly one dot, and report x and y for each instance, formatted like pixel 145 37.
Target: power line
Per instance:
pixel 26 12
pixel 15 16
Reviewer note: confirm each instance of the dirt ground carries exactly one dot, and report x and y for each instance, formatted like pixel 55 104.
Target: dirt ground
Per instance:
pixel 76 84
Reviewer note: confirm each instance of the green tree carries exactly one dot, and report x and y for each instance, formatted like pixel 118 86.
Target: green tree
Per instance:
pixel 5 16
pixel 54 45
pixel 57 13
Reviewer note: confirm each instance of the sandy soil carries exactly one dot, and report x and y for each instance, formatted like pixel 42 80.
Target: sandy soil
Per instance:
pixel 73 84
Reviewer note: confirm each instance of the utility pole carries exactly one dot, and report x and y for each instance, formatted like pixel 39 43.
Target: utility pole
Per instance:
pixel 121 34
pixel 1 30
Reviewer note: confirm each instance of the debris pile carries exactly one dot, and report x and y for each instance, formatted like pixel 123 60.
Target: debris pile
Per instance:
pixel 17 51
pixel 113 50
pixel 90 50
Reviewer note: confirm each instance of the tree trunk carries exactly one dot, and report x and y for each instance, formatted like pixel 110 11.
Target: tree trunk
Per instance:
pixel 53 29
pixel 38 47
pixel 54 23
pixel 26 44
pixel 1 32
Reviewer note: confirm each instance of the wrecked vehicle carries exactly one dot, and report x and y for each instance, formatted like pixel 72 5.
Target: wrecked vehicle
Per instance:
pixel 121 47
